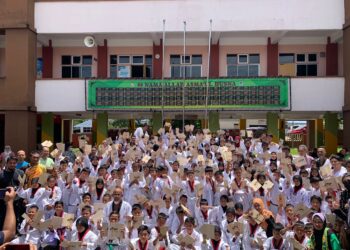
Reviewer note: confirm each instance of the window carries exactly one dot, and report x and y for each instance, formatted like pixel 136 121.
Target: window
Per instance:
pixel 87 129
pixel 242 65
pixel 76 130
pixel 286 58
pixel 39 68
pixel 76 66
pixel 189 66
pixel 125 66
pixel 124 59
pixel 113 61
pixel 306 64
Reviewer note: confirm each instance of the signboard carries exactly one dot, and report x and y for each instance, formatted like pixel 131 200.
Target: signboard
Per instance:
pixel 225 93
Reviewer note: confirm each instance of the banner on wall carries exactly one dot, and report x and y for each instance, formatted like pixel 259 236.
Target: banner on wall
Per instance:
pixel 263 94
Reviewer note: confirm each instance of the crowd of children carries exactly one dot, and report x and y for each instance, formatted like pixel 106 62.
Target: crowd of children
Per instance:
pixel 181 190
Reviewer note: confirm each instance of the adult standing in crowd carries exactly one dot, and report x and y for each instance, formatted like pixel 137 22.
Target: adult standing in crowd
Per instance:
pixel 45 159
pixel 10 177
pixel 35 169
pixel 9 228
pixel 141 131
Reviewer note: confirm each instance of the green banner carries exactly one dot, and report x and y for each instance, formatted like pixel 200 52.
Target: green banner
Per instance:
pixel 190 94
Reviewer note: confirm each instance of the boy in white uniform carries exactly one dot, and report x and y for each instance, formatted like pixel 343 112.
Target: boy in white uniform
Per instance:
pixel 203 213
pixel 29 234
pixel 298 234
pixel 277 242
pixel 219 212
pixel 189 230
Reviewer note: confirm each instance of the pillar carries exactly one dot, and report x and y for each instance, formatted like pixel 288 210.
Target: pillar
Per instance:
pixel 94 131
pixel 102 60
pixel 67 131
pixel 214 124
pixel 214 60
pixel 47 60
pixel 242 124
pixel 346 63
pixel 331 132
pixel 157 60
pixel 157 121
pixel 331 58
pixel 272 121
pixel 272 58
pixel 204 123
pixel 132 125
pixel 17 102
pixel 57 128
pixel 47 127
pixel 282 129
pixel 101 127
pixel 2 132
pixel 20 130
pixel 319 133
pixel 311 134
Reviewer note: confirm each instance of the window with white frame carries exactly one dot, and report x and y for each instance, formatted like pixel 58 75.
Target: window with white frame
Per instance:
pixel 87 129
pixel 76 66
pixel 286 58
pixel 127 66
pixel 241 65
pixel 189 66
pixel 306 64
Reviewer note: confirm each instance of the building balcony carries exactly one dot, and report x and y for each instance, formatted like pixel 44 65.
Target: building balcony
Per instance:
pixel 309 97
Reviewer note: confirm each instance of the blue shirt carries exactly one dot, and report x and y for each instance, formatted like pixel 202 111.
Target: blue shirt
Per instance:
pixel 1 237
pixel 22 164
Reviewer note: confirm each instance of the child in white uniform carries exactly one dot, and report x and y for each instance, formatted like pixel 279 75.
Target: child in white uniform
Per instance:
pixel 87 237
pixel 277 242
pixel 215 244
pixel 34 195
pixel 142 242
pixel 29 234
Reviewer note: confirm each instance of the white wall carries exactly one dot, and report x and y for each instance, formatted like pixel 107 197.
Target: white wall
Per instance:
pixel 227 15
pixel 60 95
pixel 317 94
pixel 234 123
pixel 308 94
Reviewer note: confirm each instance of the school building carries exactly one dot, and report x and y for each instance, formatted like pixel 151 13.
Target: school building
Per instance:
pixel 267 60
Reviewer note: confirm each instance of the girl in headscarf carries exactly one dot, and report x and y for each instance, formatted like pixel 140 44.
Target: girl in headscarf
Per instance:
pixel 297 194
pixel 99 191
pixel 322 238
pixel 269 221
pixel 87 237
pixel 237 141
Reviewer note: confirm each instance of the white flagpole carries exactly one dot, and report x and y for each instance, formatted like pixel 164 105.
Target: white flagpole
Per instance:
pixel 184 77
pixel 207 89
pixel 163 65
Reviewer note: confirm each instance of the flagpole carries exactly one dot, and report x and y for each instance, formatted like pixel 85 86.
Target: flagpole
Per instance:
pixel 163 65
pixel 207 86
pixel 184 78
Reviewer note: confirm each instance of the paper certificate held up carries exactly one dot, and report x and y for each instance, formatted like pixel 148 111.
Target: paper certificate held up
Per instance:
pixel 208 230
